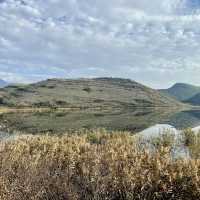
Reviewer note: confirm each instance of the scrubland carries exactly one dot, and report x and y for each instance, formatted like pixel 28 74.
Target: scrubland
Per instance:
pixel 98 165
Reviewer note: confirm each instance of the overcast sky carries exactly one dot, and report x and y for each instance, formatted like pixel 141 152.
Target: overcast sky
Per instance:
pixel 154 42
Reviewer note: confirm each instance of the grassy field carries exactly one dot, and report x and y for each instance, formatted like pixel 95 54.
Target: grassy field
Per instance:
pixel 98 165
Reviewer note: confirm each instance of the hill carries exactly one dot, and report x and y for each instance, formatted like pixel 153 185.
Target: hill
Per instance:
pixel 84 93
pixel 181 91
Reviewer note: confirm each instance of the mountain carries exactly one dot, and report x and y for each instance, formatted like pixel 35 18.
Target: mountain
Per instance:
pixel 3 83
pixel 107 93
pixel 181 91
pixel 195 100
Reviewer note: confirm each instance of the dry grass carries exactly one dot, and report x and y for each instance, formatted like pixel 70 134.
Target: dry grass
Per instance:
pixel 94 166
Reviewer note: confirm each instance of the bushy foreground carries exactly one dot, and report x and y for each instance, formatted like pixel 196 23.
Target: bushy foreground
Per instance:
pixel 95 166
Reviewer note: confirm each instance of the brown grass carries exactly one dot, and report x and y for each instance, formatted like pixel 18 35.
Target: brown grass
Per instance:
pixel 96 166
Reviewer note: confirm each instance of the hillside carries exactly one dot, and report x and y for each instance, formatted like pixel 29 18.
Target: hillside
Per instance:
pixel 84 93
pixel 181 91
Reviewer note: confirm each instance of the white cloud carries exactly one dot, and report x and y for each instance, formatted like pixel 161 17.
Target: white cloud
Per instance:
pixel 136 39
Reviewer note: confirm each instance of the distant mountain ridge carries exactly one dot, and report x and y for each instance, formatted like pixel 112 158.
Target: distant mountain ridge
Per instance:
pixel 3 83
pixel 195 100
pixel 181 91
pixel 85 93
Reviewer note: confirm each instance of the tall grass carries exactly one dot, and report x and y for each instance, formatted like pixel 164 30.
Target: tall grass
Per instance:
pixel 94 166
pixel 192 141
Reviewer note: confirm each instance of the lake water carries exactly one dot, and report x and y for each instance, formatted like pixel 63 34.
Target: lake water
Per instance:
pixel 148 121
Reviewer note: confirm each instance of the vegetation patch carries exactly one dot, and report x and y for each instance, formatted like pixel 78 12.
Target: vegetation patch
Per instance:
pixel 87 89
pixel 95 165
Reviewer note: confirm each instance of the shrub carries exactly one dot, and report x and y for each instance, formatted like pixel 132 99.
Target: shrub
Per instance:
pixel 87 89
pixel 188 137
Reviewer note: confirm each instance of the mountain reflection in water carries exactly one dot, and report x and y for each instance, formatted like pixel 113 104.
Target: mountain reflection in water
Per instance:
pixel 134 120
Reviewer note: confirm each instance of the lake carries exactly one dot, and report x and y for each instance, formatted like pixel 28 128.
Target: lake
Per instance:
pixel 135 120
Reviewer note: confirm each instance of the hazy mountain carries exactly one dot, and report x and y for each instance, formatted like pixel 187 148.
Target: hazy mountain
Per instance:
pixel 3 83
pixel 104 93
pixel 195 100
pixel 181 91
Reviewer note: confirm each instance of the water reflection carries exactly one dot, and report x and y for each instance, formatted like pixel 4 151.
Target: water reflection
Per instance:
pixel 185 144
pixel 178 149
pixel 135 120
pixel 157 130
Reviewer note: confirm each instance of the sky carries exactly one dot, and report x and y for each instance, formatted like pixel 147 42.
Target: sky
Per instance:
pixel 155 42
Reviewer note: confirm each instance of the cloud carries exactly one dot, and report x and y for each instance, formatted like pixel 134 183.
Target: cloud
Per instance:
pixel 155 43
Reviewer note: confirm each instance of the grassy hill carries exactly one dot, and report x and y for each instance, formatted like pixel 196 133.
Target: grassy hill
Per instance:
pixel 84 93
pixel 181 91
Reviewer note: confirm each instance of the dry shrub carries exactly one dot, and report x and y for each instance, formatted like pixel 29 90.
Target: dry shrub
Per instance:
pixel 108 166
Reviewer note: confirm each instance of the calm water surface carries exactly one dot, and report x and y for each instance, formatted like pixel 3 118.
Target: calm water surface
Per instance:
pixel 147 121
